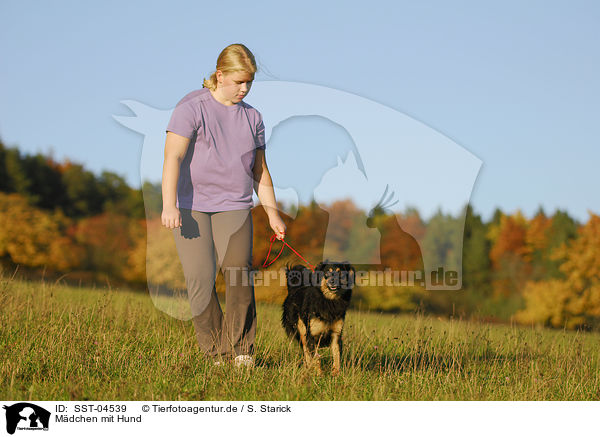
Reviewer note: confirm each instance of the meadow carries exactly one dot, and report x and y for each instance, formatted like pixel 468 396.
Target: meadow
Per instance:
pixel 59 342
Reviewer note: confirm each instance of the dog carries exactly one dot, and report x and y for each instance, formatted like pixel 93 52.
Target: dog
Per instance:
pixel 315 308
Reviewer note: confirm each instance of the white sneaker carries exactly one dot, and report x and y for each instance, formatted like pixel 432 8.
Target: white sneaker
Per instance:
pixel 244 360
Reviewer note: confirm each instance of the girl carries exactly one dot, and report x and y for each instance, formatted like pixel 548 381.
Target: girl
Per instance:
pixel 214 157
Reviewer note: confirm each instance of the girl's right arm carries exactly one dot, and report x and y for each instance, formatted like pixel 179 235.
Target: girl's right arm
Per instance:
pixel 175 149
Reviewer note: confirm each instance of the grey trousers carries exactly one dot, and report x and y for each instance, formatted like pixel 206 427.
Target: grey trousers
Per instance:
pixel 205 240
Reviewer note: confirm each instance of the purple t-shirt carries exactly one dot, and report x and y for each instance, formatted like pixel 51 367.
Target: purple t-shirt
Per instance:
pixel 216 172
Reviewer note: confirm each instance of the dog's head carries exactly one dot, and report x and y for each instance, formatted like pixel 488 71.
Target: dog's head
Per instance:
pixel 335 277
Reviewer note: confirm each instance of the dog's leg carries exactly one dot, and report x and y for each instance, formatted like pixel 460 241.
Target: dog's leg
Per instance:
pixel 312 349
pixel 317 358
pixel 336 346
pixel 302 330
pixel 336 351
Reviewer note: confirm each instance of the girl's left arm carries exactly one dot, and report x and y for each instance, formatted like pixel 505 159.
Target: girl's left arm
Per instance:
pixel 263 185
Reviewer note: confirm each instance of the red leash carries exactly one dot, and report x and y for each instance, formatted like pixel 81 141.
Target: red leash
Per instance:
pixel 273 238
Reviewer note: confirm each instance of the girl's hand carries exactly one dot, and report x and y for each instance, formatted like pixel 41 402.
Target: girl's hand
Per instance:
pixel 278 226
pixel 171 218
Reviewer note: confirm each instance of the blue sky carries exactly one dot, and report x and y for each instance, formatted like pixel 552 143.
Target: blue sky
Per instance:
pixel 514 83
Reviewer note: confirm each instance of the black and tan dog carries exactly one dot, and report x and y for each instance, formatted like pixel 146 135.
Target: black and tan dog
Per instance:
pixel 315 308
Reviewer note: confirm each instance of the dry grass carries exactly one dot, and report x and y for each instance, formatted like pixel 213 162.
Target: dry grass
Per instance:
pixel 65 343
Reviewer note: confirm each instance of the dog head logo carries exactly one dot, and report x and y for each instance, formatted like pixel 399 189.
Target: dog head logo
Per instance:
pixel 26 416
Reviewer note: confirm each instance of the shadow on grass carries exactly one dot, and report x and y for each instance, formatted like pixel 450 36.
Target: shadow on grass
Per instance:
pixel 424 360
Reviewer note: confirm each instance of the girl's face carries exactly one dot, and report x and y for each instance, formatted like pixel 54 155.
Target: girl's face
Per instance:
pixel 234 86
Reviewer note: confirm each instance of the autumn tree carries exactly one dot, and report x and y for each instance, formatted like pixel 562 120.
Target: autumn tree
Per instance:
pixel 476 261
pixel 118 197
pixel 107 240
pixel 508 254
pixel 442 244
pixel 35 238
pixel 572 302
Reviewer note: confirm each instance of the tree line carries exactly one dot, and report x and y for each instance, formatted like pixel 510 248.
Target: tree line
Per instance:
pixel 61 220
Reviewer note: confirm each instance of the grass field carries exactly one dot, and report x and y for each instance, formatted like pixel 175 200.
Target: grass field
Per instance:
pixel 65 343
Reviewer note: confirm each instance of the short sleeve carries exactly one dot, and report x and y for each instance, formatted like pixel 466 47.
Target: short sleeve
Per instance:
pixel 184 121
pixel 260 134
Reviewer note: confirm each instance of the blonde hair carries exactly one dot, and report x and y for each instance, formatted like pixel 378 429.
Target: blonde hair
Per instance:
pixel 233 58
